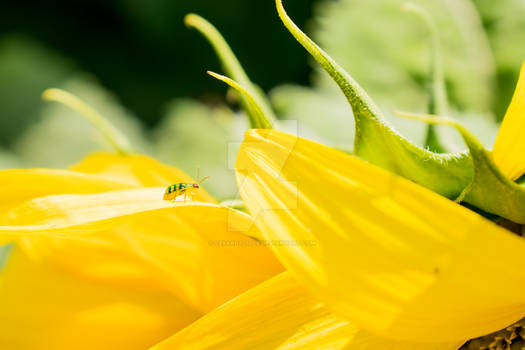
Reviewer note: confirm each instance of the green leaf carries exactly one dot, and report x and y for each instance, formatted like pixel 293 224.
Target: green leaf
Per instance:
pixel 380 144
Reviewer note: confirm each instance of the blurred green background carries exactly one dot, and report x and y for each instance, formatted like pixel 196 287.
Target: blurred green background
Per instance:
pixel 141 50
pixel 138 64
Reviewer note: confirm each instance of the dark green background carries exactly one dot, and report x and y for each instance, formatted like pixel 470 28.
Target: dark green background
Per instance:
pixel 141 50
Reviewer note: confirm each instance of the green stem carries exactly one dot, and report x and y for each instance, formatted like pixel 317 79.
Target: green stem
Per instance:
pixel 438 95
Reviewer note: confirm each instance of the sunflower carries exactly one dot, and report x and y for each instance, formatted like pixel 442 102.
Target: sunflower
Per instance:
pixel 99 260
pixel 393 265
pixel 392 262
pixel 391 247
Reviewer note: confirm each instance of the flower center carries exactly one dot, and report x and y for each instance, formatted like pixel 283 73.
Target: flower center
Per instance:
pixel 510 338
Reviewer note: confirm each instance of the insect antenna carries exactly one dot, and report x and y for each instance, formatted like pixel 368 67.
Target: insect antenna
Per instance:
pixel 199 175
pixel 204 179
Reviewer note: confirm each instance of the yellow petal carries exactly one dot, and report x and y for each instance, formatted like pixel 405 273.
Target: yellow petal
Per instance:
pixel 45 308
pixel 137 170
pixel 200 251
pixel 102 210
pixel 393 257
pixel 509 148
pixel 280 314
pixel 20 185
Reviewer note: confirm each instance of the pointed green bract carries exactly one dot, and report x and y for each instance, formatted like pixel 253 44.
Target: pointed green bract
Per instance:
pixel 258 119
pixel 377 142
pixel 490 190
pixel 119 142
pixel 231 66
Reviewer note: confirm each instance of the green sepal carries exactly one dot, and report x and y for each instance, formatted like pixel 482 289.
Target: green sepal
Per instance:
pixel 118 141
pixel 377 142
pixel 490 190
pixel 233 68
pixel 258 119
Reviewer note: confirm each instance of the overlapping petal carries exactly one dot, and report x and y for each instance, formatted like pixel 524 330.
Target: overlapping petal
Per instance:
pixel 20 185
pixel 396 259
pixel 509 148
pixel 99 172
pixel 101 261
pixel 44 308
pixel 200 251
pixel 137 170
pixel 281 314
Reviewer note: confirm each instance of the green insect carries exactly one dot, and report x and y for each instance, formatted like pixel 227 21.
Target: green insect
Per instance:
pixel 183 188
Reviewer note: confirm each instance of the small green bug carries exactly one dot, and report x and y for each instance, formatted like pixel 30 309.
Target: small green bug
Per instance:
pixel 183 188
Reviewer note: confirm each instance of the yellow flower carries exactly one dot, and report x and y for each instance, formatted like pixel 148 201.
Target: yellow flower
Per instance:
pixel 375 261
pixel 100 261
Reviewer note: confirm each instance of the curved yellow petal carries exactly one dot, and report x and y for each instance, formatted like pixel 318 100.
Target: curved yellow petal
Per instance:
pixel 509 148
pixel 42 307
pixel 137 170
pixel 101 210
pixel 200 251
pixel 279 314
pixel 393 257
pixel 100 172
pixel 20 185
